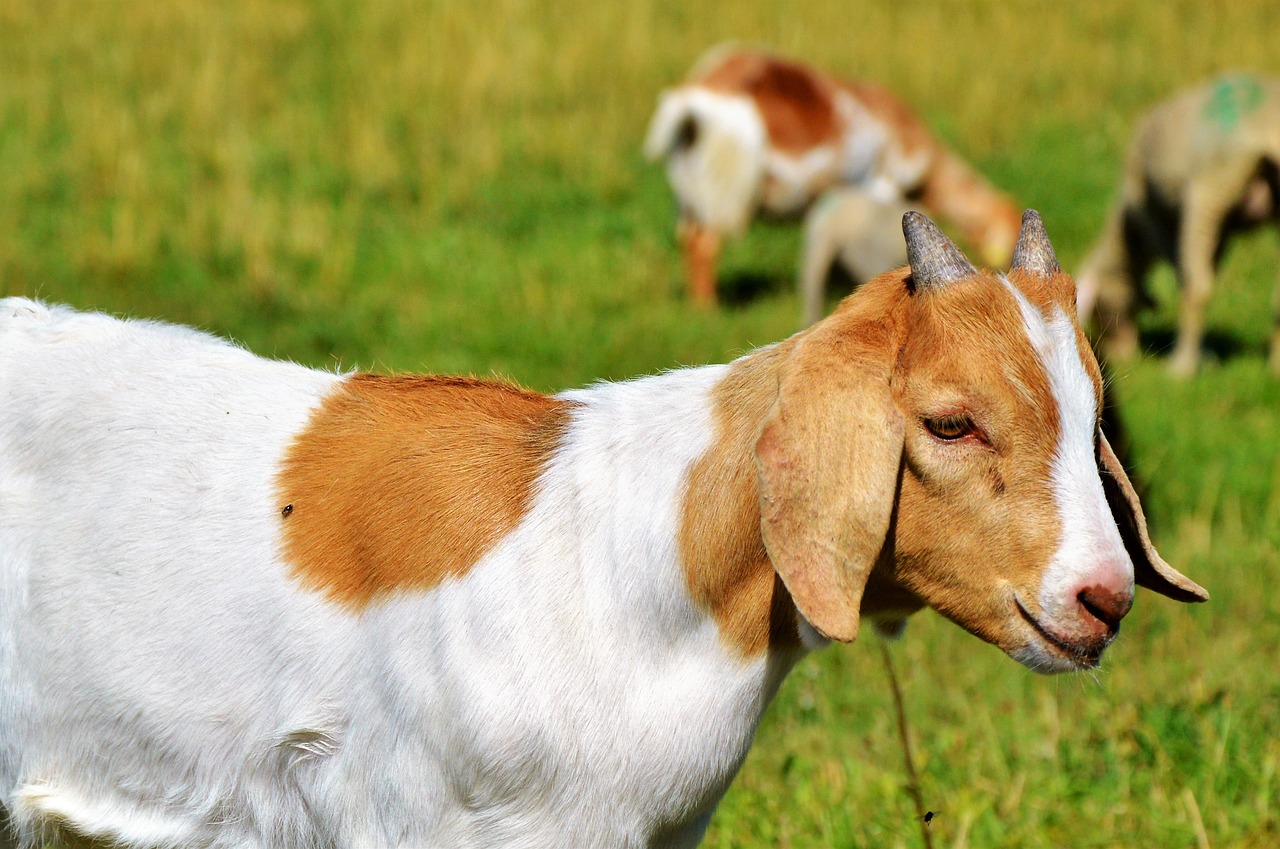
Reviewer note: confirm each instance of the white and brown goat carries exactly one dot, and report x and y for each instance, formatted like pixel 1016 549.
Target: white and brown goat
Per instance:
pixel 244 603
pixel 748 133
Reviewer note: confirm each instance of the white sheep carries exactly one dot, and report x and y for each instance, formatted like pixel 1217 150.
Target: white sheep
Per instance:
pixel 1204 166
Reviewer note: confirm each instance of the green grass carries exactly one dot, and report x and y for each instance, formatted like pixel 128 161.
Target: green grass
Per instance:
pixel 458 187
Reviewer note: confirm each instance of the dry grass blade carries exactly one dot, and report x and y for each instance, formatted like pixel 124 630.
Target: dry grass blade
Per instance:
pixel 913 780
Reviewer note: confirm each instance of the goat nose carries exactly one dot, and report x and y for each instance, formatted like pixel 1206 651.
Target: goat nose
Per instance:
pixel 1105 604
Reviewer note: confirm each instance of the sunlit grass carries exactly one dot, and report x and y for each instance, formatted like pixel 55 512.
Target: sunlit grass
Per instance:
pixel 458 187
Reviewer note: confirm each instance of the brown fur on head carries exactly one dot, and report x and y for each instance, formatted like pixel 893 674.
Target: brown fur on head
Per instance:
pixel 942 425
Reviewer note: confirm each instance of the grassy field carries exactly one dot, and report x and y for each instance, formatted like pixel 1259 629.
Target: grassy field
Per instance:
pixel 458 187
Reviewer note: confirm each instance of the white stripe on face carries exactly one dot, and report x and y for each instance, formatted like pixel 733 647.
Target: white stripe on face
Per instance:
pixel 1090 550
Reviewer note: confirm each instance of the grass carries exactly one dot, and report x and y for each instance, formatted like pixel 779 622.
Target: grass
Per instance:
pixel 458 187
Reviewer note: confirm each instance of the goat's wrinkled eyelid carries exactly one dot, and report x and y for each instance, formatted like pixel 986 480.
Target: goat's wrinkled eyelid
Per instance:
pixel 952 427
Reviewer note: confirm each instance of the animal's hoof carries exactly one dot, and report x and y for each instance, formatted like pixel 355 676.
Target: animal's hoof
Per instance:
pixel 1182 364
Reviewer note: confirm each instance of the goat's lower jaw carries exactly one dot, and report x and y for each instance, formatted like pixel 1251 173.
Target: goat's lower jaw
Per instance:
pixel 1062 656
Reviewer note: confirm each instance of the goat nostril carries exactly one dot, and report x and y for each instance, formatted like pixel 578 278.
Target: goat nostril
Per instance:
pixel 1104 605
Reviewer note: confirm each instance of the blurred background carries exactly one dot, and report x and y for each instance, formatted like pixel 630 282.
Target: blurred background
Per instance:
pixel 458 187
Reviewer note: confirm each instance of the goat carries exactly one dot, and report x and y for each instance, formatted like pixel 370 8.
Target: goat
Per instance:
pixel 750 133
pixel 850 228
pixel 244 603
pixel 1203 167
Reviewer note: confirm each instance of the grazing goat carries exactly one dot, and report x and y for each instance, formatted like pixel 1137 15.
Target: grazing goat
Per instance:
pixel 1203 167
pixel 851 228
pixel 751 133
pixel 243 603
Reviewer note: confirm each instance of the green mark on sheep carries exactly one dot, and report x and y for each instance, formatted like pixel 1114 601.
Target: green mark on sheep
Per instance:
pixel 1231 100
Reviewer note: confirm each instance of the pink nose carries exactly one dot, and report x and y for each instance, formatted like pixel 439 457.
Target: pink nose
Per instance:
pixel 1107 605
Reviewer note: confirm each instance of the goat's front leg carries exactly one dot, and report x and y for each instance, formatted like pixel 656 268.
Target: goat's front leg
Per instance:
pixel 1108 284
pixel 817 256
pixel 1205 207
pixel 701 247
pixel 1202 216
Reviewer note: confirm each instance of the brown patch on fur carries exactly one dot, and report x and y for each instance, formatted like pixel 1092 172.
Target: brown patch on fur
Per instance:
pixel 726 565
pixel 701 249
pixel 986 217
pixel 997 481
pixel 1046 293
pixel 960 543
pixel 910 133
pixel 795 102
pixel 399 483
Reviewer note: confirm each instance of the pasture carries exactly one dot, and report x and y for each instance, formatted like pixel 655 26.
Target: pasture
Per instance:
pixel 458 187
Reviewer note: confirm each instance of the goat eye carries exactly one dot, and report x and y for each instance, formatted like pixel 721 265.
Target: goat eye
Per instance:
pixel 951 428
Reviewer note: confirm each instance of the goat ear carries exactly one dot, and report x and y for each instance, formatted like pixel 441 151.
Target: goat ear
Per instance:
pixel 828 462
pixel 1149 568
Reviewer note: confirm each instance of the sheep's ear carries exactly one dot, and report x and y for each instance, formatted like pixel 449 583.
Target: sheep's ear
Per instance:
pixel 828 461
pixel 1149 568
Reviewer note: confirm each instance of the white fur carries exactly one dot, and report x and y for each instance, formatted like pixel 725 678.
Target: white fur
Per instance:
pixel 1091 550
pixel 164 681
pixel 718 178
pixel 792 181
pixel 731 171
pixel 872 153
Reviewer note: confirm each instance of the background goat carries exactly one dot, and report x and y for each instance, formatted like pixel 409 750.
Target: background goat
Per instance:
pixel 852 229
pixel 1203 167
pixel 751 133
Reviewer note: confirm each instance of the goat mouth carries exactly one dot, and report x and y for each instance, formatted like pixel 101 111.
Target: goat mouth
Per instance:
pixel 1083 655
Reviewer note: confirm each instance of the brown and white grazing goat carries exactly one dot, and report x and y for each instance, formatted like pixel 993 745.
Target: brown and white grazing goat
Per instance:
pixel 749 133
pixel 244 603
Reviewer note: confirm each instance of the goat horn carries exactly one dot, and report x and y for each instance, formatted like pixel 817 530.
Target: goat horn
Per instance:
pixel 934 259
pixel 1033 252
